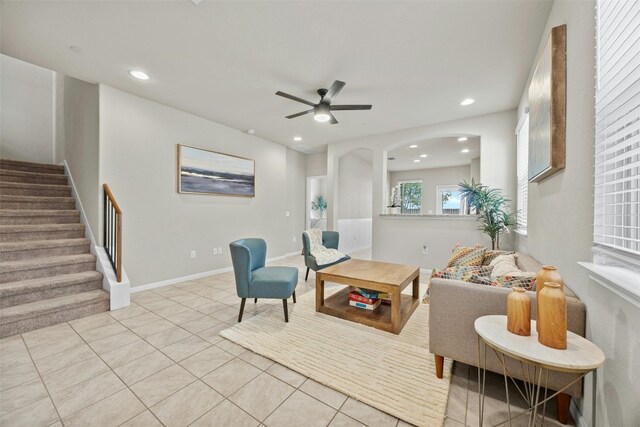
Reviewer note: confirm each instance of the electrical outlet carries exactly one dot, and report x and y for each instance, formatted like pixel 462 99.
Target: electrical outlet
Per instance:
pixel 294 239
pixel 193 254
pixel 425 250
pixel 219 250
pixel 287 213
pixel 215 251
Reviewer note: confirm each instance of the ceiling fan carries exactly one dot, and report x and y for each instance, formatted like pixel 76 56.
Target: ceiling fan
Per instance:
pixel 322 110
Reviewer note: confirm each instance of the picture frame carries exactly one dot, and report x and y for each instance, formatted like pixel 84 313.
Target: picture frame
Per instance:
pixel 548 107
pixel 202 171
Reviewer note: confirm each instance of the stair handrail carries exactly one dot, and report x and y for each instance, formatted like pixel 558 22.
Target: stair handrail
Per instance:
pixel 112 236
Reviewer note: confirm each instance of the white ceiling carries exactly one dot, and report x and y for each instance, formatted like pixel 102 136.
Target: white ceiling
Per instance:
pixel 222 60
pixel 441 152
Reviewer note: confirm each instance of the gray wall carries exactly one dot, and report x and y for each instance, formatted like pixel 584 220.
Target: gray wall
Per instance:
pixel 138 160
pixel 317 164
pixel 560 227
pixel 81 146
pixel 475 169
pixel 355 188
pixel 430 179
pixel 26 111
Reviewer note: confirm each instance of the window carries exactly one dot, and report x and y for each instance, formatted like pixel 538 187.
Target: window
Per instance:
pixel 411 197
pixel 617 146
pixel 522 133
pixel 448 200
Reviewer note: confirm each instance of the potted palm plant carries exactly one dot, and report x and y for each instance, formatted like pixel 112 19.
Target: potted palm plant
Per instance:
pixel 491 207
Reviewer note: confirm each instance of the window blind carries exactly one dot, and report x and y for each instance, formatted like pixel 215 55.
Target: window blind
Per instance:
pixel 522 135
pixel 617 145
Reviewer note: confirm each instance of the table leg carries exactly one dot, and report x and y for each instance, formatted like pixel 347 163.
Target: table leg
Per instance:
pixel 416 287
pixel 481 378
pixel 395 311
pixel 319 291
pixel 594 387
pixel 506 384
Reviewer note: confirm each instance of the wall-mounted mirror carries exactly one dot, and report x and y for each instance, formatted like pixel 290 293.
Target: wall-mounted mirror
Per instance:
pixel 423 176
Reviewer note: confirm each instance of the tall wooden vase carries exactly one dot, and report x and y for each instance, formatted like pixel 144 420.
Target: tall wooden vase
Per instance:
pixel 519 312
pixel 552 320
pixel 549 273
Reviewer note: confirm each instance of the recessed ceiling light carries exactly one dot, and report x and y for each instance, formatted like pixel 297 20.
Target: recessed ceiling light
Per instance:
pixel 140 75
pixel 466 150
pixel 462 138
pixel 416 161
pixel 423 155
pixel 467 101
pixel 251 131
pixel 413 146
pixel 297 138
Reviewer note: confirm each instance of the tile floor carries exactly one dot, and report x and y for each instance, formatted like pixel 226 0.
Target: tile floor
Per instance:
pixel 161 362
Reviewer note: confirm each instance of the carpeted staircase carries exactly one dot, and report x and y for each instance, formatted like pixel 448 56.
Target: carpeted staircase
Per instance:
pixel 47 274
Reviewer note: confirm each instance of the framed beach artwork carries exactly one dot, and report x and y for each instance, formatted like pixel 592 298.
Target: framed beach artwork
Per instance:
pixel 208 172
pixel 548 107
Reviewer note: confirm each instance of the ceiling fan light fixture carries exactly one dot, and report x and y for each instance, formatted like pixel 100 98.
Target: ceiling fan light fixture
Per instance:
pixel 322 117
pixel 321 113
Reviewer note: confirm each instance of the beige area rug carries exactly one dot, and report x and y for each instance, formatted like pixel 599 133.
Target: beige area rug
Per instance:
pixel 393 373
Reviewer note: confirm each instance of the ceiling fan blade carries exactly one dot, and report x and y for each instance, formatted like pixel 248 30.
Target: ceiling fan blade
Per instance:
pixel 333 120
pixel 302 113
pixel 350 107
pixel 335 88
pixel 295 98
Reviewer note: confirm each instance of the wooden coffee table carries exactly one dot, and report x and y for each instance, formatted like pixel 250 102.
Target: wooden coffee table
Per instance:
pixel 377 276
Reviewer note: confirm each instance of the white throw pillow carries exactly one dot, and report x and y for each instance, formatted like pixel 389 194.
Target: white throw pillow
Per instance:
pixel 505 265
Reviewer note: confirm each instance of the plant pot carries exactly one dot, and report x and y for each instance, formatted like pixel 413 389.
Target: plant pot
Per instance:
pixel 393 211
pixel 552 323
pixel 549 273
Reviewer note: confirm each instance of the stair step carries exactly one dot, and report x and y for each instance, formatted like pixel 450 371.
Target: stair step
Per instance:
pixel 16 251
pixel 31 167
pixel 37 202
pixel 21 233
pixel 38 216
pixel 12 271
pixel 7 175
pixel 29 189
pixel 27 317
pixel 28 291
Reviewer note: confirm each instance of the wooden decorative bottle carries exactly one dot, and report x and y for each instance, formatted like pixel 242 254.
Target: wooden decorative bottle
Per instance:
pixel 552 320
pixel 519 312
pixel 548 273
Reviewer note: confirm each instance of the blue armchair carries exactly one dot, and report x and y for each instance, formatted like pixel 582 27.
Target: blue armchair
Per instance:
pixel 330 239
pixel 254 280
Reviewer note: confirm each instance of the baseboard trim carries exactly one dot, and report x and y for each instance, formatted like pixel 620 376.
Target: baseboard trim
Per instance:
pixel 577 415
pixel 201 275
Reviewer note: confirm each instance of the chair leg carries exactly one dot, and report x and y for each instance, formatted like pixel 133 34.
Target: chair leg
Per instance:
pixel 306 276
pixel 294 297
pixel 241 309
pixel 255 300
pixel 286 312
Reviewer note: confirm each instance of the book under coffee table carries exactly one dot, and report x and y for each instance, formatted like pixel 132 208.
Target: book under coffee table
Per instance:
pixel 377 276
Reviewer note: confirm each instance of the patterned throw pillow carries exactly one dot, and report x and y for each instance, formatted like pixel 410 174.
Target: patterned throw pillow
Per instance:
pixel 491 254
pixel 463 273
pixel 467 256
pixel 504 281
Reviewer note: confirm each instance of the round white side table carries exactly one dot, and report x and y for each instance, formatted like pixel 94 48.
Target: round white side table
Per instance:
pixel 580 357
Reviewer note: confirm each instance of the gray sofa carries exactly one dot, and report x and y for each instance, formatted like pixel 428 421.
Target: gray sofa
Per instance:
pixel 455 305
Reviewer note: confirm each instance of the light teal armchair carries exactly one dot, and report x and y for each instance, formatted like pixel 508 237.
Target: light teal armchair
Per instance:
pixel 330 239
pixel 254 280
